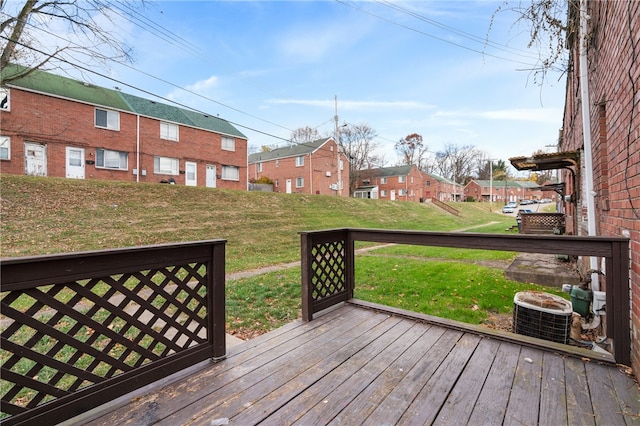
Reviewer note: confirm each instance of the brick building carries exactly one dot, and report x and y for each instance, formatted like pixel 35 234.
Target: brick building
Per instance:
pixel 614 117
pixel 504 191
pixel 56 126
pixel 441 189
pixel 600 156
pixel 317 167
pixel 405 183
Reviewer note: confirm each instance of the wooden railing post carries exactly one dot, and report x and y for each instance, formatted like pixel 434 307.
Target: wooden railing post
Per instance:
pixel 217 302
pixel 305 243
pixel 618 305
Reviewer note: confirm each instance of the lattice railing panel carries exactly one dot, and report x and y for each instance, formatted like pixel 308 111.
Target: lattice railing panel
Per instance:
pixel 542 222
pixel 328 270
pixel 57 339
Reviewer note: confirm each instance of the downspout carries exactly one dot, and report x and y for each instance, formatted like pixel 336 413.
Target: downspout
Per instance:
pixel 586 134
pixel 310 175
pixel 137 147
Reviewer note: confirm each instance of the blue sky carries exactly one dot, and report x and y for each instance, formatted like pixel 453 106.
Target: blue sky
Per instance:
pixel 402 67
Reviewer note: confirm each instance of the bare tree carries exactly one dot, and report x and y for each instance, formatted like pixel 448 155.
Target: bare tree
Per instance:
pixel 86 42
pixel 553 24
pixel 412 150
pixel 357 143
pixel 456 162
pixel 304 135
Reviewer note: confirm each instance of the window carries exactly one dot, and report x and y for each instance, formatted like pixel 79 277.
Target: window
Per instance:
pixel 165 165
pixel 411 179
pixel 5 148
pixel 276 183
pixel 259 167
pixel 299 182
pixel 383 193
pixel 108 159
pixel 277 163
pixel 230 173
pixel 5 105
pixel 428 183
pixel 107 119
pixel 300 161
pixel 228 144
pixel 402 179
pixel 169 131
pixel 402 192
pixel 383 180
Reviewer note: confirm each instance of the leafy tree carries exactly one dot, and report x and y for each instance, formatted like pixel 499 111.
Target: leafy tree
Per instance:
pixel 412 150
pixel 88 41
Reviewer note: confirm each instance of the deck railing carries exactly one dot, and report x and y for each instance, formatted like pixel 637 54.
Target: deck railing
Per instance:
pixel 81 329
pixel 328 266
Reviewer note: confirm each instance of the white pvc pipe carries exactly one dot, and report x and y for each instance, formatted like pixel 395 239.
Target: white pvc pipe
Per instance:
pixel 586 134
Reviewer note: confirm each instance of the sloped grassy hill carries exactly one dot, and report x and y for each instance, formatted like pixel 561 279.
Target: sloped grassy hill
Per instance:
pixel 54 215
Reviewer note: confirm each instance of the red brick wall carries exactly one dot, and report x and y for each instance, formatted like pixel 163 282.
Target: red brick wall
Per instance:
pixel 614 92
pixel 313 171
pixel 414 185
pixel 58 123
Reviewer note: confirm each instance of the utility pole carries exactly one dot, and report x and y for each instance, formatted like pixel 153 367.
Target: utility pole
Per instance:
pixel 338 150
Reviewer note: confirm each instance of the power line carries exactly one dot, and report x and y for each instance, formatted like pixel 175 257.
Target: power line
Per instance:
pixel 360 9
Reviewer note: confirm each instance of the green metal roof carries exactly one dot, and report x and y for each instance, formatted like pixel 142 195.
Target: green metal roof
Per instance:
pixel 509 183
pixel 60 86
pixel 288 151
pixel 390 171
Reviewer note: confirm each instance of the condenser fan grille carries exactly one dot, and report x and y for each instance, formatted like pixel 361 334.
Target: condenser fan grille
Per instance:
pixel 542 315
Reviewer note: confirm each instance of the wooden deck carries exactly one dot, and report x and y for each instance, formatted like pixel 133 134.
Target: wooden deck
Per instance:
pixel 353 365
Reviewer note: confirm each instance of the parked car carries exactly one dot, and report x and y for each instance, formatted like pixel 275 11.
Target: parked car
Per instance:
pixel 525 202
pixel 508 209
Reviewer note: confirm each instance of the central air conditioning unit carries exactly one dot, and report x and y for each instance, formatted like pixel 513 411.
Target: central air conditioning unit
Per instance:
pixel 542 315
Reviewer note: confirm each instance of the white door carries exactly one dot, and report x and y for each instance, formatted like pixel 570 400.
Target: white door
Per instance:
pixel 191 174
pixel 288 190
pixel 35 159
pixel 211 176
pixel 393 195
pixel 75 163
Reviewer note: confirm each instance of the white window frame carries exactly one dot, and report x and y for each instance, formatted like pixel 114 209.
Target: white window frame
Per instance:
pixel 106 158
pixel 165 165
pixel 5 147
pixel 299 182
pixel 300 161
pixel 231 173
pixel 259 167
pixel 402 179
pixel 113 119
pixel 5 99
pixel 383 192
pixel 228 144
pixel 169 131
pixel 402 192
pixel 383 180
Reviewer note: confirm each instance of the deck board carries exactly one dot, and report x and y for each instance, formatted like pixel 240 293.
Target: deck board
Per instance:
pixel 353 365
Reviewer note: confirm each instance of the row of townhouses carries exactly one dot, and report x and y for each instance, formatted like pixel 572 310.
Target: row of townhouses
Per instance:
pixel 57 126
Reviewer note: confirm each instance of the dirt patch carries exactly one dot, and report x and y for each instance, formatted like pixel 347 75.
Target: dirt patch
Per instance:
pixel 501 322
